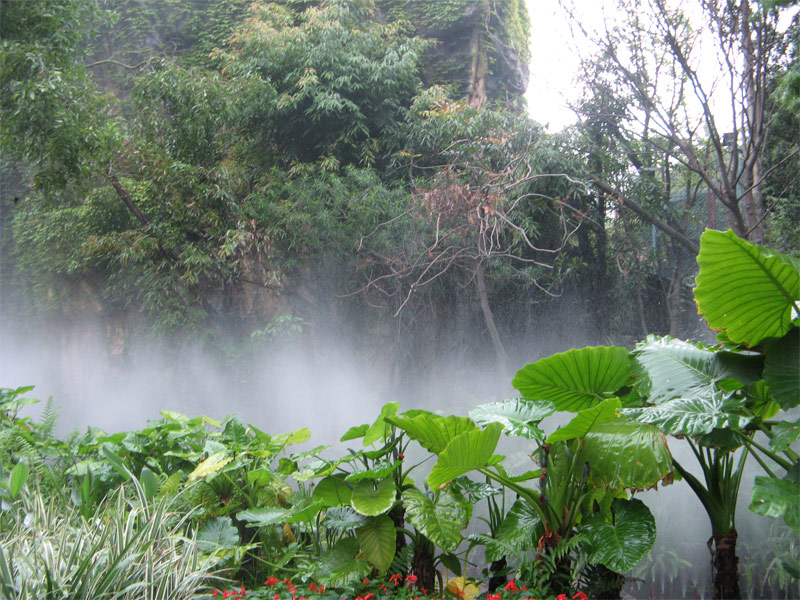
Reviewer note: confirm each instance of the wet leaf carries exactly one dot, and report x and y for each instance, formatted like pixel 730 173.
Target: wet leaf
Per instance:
pixel 466 452
pixel 519 417
pixel 728 266
pixel 623 542
pixel 371 500
pixel 377 541
pixel 575 379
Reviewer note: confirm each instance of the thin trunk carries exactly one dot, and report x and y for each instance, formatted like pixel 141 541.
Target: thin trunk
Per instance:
pixel 126 198
pixel 476 93
pixel 725 566
pixel 625 202
pixel 423 565
pixel 752 202
pixel 498 574
pixel 488 317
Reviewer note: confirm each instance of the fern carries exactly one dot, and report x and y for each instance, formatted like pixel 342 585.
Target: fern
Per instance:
pixel 47 420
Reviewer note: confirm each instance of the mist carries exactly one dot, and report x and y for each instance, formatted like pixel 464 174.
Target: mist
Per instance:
pixel 330 382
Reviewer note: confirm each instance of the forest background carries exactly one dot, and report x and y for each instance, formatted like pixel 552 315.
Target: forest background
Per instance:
pixel 189 186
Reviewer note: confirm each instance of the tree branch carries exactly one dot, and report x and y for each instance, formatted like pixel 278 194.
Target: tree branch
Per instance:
pixel 622 200
pixel 126 197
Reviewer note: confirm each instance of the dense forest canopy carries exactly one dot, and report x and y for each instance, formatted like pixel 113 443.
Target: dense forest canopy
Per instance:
pixel 216 170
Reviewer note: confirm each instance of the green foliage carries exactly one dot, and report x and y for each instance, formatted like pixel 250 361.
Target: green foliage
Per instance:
pixel 140 549
pixel 773 285
pixel 621 543
pixel 575 379
pixel 342 82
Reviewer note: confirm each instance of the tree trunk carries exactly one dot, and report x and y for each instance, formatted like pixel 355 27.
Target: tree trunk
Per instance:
pixel 498 575
pixel 488 317
pixel 423 565
pixel 725 566
pixel 476 93
pixel 754 91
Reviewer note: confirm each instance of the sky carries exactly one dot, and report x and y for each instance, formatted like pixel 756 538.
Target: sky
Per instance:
pixel 554 61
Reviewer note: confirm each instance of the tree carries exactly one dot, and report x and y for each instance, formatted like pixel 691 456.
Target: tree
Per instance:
pixel 711 119
pixel 482 205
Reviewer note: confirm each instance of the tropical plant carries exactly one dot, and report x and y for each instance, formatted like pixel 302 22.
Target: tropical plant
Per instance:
pixel 130 548
pixel 717 398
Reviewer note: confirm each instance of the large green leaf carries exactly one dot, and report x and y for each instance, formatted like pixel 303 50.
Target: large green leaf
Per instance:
pixel 745 289
pixel 332 491
pixel 440 518
pixel 465 452
pixel 377 431
pixel 667 368
pixel 773 497
pixel 519 416
pixel 209 466
pixel 343 518
pixel 379 470
pixel 622 543
pixel 217 534
pixel 576 379
pixel 262 517
pixel 782 369
pixel 784 434
pixel 433 432
pixel 372 500
pixel 585 420
pixel 377 541
pixel 17 478
pixel 693 416
pixel 622 454
pixel 518 530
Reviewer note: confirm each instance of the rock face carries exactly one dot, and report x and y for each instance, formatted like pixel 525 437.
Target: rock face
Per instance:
pixel 480 47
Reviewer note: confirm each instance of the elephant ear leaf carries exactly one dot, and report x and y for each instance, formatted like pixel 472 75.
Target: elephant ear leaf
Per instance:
pixel 782 369
pixel 377 541
pixel 466 452
pixel 623 454
pixel 773 497
pixel 667 368
pixel 576 379
pixel 440 518
pixel 519 416
pixel 621 544
pixel 731 266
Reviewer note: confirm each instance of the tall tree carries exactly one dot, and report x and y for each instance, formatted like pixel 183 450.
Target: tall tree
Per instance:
pixel 698 82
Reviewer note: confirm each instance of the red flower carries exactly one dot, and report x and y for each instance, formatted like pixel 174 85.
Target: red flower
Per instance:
pixel 277 597
pixel 580 596
pixel 271 581
pixel 492 596
pixel 214 593
pixel 411 579
pixel 368 596
pixel 511 587
pixel 562 597
pixel 226 594
pixel 366 581
pixel 396 579
pixel 459 594
pixel 312 587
